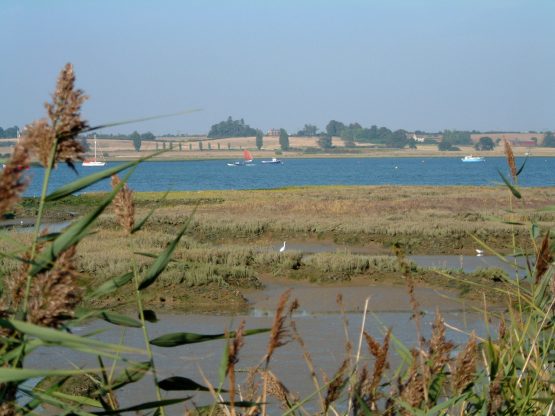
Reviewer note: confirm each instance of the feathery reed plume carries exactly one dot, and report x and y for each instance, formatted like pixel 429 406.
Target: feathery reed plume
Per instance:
pixel 465 366
pixel 279 336
pixel 360 387
pixel 495 397
pixel 380 355
pixel 277 389
pixel 543 258
pixel 65 123
pixel 336 385
pixel 232 359
pixel 502 329
pixel 7 408
pixel 12 181
pixel 124 205
pixel 14 284
pixel 55 293
pixel 440 349
pixel 412 390
pixel 510 159
pixel 251 385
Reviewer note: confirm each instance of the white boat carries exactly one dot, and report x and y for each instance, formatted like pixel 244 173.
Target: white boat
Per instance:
pixel 247 160
pixel 274 161
pixel 93 162
pixel 471 158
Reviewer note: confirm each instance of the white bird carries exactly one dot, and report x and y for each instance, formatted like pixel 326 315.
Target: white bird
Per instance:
pixel 479 252
pixel 281 250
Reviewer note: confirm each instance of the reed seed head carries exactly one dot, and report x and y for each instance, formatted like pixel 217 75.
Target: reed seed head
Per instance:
pixel 413 389
pixel 55 294
pixel 543 258
pixel 276 388
pixel 280 335
pixel 440 349
pixel 12 180
pixel 510 159
pixel 124 205
pixel 465 366
pixel 64 123
pixel 380 354
pixel 337 384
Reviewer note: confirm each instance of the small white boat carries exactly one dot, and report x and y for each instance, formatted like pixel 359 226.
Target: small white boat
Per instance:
pixel 471 158
pixel 247 160
pixel 274 161
pixel 93 162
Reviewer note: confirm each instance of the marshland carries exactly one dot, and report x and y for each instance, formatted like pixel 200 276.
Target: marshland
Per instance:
pixel 372 272
pixel 334 234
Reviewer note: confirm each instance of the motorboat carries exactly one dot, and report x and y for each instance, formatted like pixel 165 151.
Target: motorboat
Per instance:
pixel 471 158
pixel 274 161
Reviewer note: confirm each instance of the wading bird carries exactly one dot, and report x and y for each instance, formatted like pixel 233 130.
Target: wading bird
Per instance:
pixel 281 250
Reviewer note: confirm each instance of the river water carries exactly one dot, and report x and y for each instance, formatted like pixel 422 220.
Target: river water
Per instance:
pixel 215 174
pixel 319 322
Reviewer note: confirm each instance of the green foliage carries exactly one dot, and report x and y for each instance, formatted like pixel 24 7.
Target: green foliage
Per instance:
pixel 447 146
pixel 231 128
pixel 334 128
pixel 457 137
pixel 485 143
pixel 308 130
pixel 549 139
pixel 283 139
pixel 9 133
pixel 136 138
pixel 325 141
pixel 259 140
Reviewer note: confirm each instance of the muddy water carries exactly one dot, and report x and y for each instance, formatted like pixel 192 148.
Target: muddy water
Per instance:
pixel 465 263
pixel 318 319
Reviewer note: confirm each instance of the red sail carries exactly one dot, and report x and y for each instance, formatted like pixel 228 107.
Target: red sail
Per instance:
pixel 247 155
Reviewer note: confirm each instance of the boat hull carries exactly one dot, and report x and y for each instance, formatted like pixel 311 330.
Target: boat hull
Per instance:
pixel 93 163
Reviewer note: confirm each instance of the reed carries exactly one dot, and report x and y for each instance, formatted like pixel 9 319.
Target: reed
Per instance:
pixel 507 371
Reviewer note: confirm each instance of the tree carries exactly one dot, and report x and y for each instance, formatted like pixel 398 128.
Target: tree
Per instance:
pixel 136 139
pixel 308 130
pixel 398 139
pixel 147 136
pixel 334 128
pixel 443 146
pixel 549 139
pixel 485 143
pixel 325 141
pixel 457 137
pixel 231 128
pixel 283 139
pixel 259 139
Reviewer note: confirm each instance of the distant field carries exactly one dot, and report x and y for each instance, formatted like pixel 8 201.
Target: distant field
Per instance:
pixel 231 148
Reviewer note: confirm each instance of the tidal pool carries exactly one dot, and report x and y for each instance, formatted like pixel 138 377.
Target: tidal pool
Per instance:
pixel 319 320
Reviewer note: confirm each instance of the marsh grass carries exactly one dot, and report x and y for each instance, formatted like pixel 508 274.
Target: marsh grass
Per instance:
pixel 506 371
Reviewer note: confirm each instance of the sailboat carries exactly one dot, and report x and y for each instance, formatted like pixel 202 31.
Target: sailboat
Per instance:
pixel 93 162
pixel 247 160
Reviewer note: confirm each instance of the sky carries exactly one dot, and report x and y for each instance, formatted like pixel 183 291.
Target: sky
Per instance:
pixel 412 64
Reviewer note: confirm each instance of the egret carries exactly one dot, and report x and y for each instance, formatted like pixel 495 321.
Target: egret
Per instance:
pixel 281 250
pixel 479 252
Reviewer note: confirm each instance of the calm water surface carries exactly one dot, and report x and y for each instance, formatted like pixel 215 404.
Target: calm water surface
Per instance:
pixel 215 174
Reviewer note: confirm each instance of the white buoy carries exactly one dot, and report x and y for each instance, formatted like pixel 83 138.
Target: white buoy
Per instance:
pixel 281 250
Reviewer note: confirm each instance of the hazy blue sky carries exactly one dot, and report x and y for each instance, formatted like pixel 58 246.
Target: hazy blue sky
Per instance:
pixel 472 64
